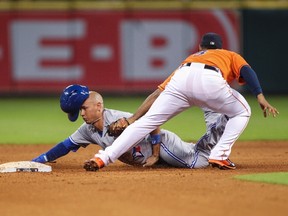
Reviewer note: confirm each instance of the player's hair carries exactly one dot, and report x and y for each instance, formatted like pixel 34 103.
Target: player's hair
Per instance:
pixel 98 97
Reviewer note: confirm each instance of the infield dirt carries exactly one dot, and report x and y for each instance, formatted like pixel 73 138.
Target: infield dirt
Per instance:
pixel 120 189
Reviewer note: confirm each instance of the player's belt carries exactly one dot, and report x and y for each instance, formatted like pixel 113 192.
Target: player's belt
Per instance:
pixel 205 66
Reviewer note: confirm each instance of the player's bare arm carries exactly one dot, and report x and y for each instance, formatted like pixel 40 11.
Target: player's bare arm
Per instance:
pixel 155 140
pixel 145 106
pixel 155 157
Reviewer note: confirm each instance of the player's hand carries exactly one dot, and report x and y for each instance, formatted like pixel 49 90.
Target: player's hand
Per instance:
pixel 93 164
pixel 90 165
pixel 151 161
pixel 40 159
pixel 270 110
pixel 266 107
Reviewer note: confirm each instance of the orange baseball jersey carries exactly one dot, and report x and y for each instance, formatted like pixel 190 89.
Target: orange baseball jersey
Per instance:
pixel 229 63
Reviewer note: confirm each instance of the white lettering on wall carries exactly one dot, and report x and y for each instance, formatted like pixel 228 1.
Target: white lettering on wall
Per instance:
pixel 153 49
pixel 101 52
pixel 28 53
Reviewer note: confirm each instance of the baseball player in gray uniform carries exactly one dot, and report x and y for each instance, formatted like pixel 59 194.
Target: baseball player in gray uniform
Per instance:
pixel 173 151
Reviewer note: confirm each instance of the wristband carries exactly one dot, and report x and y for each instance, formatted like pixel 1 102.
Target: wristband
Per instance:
pixel 155 139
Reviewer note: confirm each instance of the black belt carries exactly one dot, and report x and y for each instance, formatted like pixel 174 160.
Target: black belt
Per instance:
pixel 205 66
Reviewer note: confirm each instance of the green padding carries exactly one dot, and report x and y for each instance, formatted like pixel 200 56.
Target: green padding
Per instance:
pixel 272 178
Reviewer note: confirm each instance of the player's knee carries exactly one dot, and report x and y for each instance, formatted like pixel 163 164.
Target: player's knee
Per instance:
pixel 246 111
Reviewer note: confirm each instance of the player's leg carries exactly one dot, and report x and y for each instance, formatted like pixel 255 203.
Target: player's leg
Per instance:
pixel 208 141
pixel 178 153
pixel 210 117
pixel 175 151
pixel 213 92
pixel 165 107
pixel 238 111
pixel 213 133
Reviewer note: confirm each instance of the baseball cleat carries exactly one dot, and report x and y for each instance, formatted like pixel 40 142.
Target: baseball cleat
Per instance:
pixel 222 164
pixel 93 164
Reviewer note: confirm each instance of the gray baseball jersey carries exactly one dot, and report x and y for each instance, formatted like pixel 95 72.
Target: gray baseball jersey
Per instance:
pixel 173 151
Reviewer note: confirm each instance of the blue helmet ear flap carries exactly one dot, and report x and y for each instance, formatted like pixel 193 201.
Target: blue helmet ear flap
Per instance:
pixel 73 116
pixel 71 100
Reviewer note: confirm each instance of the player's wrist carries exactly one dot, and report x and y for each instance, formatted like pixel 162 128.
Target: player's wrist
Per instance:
pixel 155 139
pixel 130 120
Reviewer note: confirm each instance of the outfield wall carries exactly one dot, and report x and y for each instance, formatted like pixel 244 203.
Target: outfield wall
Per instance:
pixel 123 47
pixel 265 34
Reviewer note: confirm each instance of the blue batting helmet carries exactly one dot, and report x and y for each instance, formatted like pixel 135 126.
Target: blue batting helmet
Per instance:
pixel 72 98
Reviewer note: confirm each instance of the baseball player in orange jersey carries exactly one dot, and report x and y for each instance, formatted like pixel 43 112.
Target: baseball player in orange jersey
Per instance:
pixel 201 80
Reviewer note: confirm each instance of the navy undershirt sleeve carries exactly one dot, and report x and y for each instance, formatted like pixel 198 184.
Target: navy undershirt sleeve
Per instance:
pixel 251 79
pixel 57 151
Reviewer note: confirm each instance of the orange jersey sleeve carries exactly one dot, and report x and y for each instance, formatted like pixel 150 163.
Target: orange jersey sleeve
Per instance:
pixel 230 63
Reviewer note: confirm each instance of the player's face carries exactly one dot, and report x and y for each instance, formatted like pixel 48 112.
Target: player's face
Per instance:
pixel 90 111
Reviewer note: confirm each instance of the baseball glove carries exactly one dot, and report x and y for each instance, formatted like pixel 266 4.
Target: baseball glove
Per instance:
pixel 117 127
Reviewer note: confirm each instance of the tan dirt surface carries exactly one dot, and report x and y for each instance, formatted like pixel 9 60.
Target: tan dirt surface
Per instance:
pixel 120 189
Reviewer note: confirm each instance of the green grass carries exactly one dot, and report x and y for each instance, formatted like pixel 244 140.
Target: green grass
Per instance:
pixel 272 178
pixel 34 121
pixel 260 128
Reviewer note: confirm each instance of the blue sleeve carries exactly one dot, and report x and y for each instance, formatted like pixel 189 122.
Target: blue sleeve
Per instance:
pixel 251 79
pixel 57 151
pixel 70 145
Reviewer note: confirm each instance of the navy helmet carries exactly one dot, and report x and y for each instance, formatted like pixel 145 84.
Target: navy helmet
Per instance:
pixel 72 98
pixel 211 40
